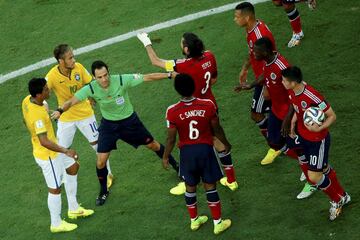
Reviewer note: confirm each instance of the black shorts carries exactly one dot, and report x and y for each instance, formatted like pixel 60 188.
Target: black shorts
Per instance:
pixel 259 104
pixel 316 153
pixel 131 130
pixel 199 161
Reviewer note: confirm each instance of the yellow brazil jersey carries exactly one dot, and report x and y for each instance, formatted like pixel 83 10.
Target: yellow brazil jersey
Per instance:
pixel 65 88
pixel 37 120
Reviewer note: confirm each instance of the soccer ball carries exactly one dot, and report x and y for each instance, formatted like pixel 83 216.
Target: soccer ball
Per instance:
pixel 313 115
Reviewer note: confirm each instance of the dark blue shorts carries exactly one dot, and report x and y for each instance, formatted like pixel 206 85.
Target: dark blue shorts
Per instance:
pixel 199 161
pixel 131 130
pixel 275 139
pixel 259 104
pixel 316 153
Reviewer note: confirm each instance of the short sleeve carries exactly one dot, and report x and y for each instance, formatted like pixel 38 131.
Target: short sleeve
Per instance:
pixel 85 74
pixel 324 106
pixel 180 65
pixel 170 123
pixel 39 126
pixel 131 80
pixel 84 92
pixel 49 80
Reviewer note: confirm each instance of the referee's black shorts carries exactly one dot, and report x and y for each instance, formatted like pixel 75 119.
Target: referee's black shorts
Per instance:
pixel 131 130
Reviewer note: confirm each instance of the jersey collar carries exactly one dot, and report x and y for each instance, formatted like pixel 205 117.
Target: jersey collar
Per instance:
pixel 188 100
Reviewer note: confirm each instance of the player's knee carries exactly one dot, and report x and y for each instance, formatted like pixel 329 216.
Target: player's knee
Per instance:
pixel 154 145
pixel 54 190
pixel 277 3
pixel 101 160
pixel 289 7
pixel 219 146
pixel 257 117
pixel 315 177
pixel 209 186
pixel 73 169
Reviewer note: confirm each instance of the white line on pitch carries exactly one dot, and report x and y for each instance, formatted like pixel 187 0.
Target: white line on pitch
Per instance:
pixel 123 37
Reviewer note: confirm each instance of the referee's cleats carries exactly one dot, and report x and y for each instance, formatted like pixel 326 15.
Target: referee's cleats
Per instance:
pixel 110 180
pixel 200 220
pixel 101 199
pixel 80 212
pixel 63 227
pixel 179 189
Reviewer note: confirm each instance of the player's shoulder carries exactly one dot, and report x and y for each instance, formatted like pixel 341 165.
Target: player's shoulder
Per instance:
pixel 52 73
pixel 207 102
pixel 313 94
pixel 281 62
pixel 79 66
pixel 263 29
pixel 173 107
pixel 182 60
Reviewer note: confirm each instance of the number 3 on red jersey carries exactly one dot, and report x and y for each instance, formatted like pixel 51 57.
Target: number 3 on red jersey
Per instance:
pixel 207 78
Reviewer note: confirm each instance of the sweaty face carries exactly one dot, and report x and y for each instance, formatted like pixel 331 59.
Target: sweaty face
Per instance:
pixel 68 60
pixel 240 18
pixel 102 77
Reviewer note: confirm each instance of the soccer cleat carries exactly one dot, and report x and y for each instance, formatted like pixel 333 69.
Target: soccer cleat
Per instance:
pixel 222 226
pixel 295 39
pixel 101 199
pixel 307 191
pixel 200 220
pixel 80 212
pixel 179 189
pixel 302 177
pixel 110 180
pixel 336 208
pixel 63 227
pixel 270 156
pixel 311 4
pixel 233 186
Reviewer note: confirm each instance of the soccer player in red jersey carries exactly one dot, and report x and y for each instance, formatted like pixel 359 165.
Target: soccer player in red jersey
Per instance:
pixel 255 29
pixel 280 103
pixel 294 18
pixel 201 66
pixel 195 120
pixel 315 139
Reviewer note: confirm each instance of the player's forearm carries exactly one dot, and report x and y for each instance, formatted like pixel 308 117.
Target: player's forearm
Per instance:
pixel 69 103
pixel 45 142
pixel 246 65
pixel 289 118
pixel 158 76
pixel 155 60
pixel 170 143
pixel 330 119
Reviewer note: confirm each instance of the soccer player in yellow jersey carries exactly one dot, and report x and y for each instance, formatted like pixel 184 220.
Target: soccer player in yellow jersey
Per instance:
pixel 65 79
pixel 53 159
